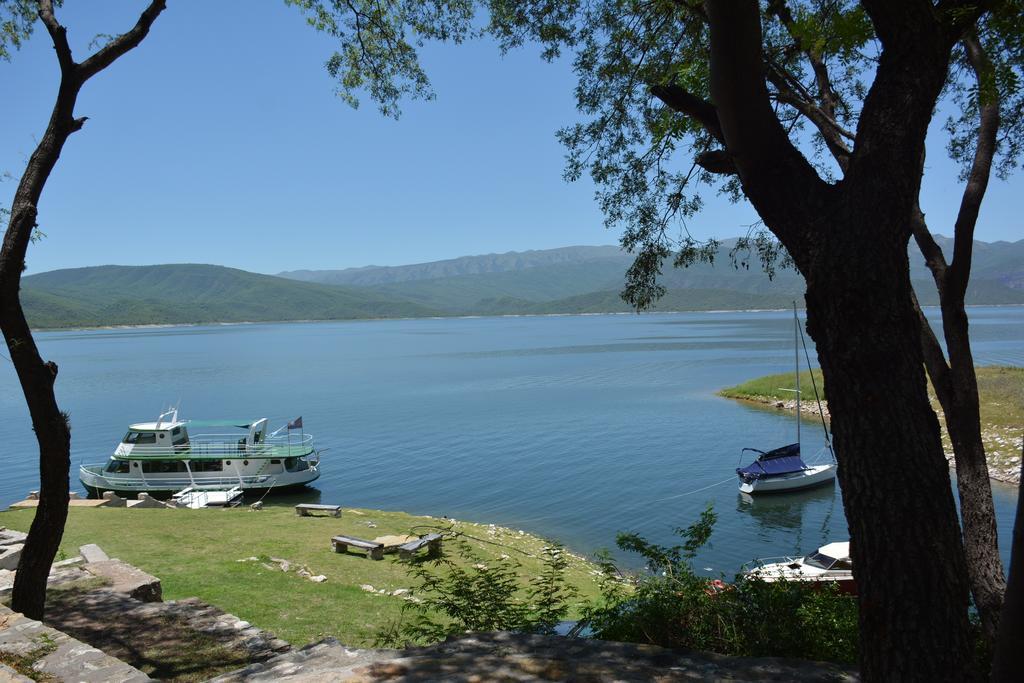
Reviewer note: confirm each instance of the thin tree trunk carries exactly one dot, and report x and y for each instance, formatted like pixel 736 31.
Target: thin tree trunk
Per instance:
pixel 957 391
pixel 1006 663
pixel 956 384
pixel 905 539
pixel 36 375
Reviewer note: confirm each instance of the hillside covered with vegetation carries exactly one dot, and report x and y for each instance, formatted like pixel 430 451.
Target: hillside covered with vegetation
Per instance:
pixel 569 280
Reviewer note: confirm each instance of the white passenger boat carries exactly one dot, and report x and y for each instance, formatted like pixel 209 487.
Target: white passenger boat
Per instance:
pixel 830 563
pixel 170 455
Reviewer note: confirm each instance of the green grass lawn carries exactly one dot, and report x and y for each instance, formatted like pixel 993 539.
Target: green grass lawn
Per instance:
pixel 1000 389
pixel 197 553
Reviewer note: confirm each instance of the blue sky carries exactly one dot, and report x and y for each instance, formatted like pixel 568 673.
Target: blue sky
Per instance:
pixel 220 140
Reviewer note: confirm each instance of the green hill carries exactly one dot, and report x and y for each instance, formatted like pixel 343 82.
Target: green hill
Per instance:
pixel 193 293
pixel 567 280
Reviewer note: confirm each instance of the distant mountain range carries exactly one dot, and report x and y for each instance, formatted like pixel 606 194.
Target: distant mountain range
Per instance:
pixel 565 280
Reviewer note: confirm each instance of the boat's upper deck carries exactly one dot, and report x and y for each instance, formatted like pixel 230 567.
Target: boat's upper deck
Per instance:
pixel 170 439
pixel 221 446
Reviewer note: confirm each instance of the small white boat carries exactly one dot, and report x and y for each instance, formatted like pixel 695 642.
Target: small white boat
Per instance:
pixel 203 457
pixel 830 563
pixel 782 469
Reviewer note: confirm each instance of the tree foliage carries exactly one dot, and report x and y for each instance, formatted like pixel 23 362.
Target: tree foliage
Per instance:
pixel 464 592
pixel 378 44
pixel 17 19
pixel 649 139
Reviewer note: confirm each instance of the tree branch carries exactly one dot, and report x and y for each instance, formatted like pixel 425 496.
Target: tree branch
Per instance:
pixel 898 108
pixel 826 95
pixel 892 19
pixel 754 137
pixel 681 100
pixel 930 249
pixel 981 167
pixel 59 36
pixel 934 359
pixel 830 130
pixel 123 43
pixel 716 161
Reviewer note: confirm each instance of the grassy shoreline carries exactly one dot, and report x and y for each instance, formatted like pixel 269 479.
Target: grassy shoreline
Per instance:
pixel 1000 389
pixel 203 553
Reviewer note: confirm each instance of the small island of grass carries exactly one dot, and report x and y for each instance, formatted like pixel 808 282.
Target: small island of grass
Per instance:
pixel 1000 389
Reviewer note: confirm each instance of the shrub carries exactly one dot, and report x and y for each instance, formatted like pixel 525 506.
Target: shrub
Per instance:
pixel 468 593
pixel 669 605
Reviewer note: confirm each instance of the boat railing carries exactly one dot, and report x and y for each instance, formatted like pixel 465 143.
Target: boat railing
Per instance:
pixel 778 559
pixel 227 446
pixel 120 482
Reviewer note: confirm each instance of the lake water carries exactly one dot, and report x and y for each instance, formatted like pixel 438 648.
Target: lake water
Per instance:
pixel 572 427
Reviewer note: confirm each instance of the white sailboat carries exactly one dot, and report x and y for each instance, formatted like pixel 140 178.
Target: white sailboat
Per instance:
pixel 782 469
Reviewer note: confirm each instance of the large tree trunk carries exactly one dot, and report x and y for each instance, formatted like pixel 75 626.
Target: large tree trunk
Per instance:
pixel 849 240
pixel 905 538
pixel 1006 664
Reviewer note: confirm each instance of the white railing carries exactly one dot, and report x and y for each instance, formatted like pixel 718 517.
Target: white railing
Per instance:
pixel 223 446
pixel 181 480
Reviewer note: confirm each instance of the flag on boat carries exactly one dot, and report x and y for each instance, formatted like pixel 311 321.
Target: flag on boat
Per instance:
pixel 296 423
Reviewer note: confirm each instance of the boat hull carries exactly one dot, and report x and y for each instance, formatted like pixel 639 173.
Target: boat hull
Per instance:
pixel 816 475
pixel 844 581
pixel 96 483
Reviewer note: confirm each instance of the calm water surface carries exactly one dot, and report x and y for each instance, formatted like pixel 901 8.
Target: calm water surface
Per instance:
pixel 573 427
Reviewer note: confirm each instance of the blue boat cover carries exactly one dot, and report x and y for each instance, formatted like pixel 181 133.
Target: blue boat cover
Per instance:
pixel 784 460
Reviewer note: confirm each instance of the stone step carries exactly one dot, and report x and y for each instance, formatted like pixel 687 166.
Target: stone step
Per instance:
pixel 106 605
pixel 505 656
pixel 58 656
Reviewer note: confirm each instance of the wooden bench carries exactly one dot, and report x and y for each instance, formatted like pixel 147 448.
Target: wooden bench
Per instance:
pixel 374 550
pixel 431 541
pixel 307 509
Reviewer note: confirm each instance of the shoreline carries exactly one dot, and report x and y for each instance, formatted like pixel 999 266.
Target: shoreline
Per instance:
pixel 454 316
pixel 1009 475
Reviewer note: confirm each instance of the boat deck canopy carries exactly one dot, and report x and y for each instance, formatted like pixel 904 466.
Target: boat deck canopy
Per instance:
pixel 240 424
pixel 784 460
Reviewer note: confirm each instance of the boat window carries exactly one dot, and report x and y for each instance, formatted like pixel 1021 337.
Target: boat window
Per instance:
pixel 176 431
pixel 139 437
pixel 118 466
pixel 275 462
pixel 206 465
pixel 819 560
pixel 163 466
pixel 846 565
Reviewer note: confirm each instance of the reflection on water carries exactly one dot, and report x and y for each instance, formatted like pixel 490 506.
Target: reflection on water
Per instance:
pixel 805 516
pixel 785 510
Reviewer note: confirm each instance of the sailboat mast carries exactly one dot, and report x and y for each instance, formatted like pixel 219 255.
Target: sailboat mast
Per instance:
pixel 796 356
